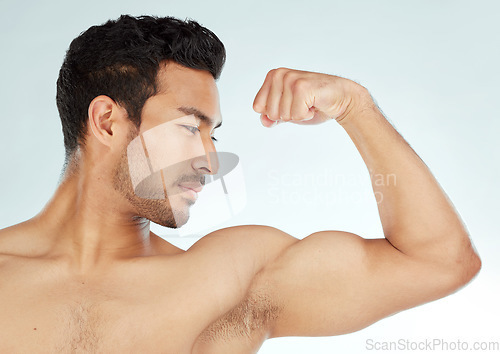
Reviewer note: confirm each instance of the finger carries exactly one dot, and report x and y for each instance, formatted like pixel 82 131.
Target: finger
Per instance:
pixel 274 96
pixel 259 103
pixel 266 122
pixel 286 97
pixel 302 101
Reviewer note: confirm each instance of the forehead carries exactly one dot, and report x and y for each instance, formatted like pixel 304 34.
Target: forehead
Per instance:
pixel 180 87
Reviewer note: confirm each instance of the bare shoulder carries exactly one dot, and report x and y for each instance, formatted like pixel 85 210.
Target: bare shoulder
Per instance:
pixel 235 255
pixel 248 250
pixel 254 245
pixel 13 239
pixel 13 243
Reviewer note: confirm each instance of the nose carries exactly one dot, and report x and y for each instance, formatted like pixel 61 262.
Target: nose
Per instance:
pixel 209 161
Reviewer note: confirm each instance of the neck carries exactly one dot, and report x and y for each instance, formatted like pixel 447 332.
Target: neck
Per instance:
pixel 91 225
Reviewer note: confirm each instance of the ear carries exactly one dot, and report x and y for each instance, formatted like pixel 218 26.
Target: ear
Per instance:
pixel 102 117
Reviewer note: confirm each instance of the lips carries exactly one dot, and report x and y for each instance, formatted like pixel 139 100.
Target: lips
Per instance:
pixel 193 186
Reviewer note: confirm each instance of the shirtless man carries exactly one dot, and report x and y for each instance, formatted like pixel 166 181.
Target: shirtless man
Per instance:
pixel 86 275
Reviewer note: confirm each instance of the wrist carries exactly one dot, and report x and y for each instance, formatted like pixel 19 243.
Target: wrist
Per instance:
pixel 360 101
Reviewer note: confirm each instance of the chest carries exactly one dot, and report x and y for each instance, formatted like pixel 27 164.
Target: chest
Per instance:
pixel 49 315
pixel 83 327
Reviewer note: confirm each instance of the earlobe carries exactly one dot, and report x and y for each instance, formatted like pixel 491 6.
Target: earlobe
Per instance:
pixel 100 118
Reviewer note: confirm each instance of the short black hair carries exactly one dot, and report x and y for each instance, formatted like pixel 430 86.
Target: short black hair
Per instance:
pixel 121 59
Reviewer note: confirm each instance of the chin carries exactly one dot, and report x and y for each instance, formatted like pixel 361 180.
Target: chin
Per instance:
pixel 181 218
pixel 168 222
pixel 167 217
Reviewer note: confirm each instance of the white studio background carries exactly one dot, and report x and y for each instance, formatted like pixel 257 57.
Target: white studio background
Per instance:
pixel 432 66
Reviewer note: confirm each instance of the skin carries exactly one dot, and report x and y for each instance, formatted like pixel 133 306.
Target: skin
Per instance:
pixel 87 275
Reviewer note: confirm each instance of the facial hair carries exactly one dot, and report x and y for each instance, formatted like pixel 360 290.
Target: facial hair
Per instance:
pixel 156 210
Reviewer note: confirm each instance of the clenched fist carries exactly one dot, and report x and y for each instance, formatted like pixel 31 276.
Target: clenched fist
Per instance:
pixel 304 97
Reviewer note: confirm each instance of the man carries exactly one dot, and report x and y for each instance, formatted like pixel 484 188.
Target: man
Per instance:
pixel 137 99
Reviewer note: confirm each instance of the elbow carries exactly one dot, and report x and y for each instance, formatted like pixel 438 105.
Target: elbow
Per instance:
pixel 458 266
pixel 473 268
pixel 466 267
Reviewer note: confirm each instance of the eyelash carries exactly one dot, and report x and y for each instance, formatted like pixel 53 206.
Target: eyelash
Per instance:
pixel 195 128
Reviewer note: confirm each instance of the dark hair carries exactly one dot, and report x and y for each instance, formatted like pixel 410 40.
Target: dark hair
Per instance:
pixel 121 59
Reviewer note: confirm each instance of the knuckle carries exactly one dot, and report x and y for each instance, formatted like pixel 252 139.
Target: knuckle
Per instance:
pixel 289 77
pixel 257 106
pixel 300 85
pixel 280 72
pixel 270 74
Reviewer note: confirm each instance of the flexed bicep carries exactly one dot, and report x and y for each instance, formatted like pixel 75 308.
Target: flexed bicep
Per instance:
pixel 334 282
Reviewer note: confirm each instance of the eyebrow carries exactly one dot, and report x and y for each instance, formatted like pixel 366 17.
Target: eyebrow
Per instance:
pixel 199 114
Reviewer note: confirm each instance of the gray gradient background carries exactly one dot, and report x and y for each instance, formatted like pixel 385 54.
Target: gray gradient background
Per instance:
pixel 432 66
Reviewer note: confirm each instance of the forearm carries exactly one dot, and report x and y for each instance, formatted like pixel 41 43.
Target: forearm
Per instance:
pixel 417 217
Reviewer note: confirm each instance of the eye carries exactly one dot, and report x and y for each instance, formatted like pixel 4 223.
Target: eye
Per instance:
pixel 195 129
pixel 191 128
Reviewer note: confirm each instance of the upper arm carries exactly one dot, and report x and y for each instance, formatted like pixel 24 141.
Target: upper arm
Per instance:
pixel 232 258
pixel 335 282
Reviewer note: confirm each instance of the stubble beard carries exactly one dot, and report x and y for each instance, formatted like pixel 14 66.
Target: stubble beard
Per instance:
pixel 156 210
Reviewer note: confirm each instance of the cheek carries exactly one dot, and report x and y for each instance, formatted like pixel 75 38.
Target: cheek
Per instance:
pixel 156 164
pixel 176 152
pixel 168 154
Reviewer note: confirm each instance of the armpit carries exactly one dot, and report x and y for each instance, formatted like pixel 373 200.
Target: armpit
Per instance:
pixel 250 319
